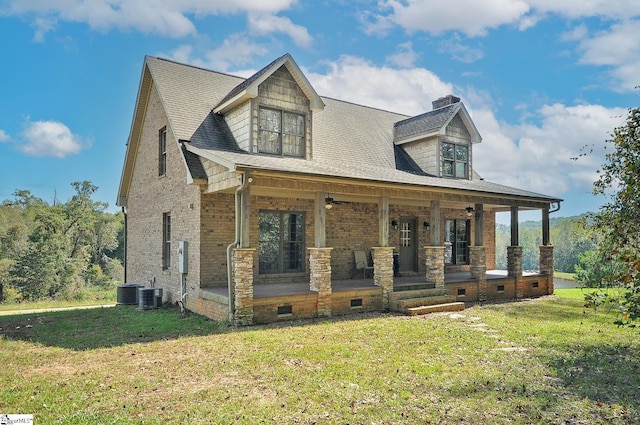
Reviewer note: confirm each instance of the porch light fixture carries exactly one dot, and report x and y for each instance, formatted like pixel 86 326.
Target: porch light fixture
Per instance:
pixel 470 211
pixel 426 225
pixel 394 224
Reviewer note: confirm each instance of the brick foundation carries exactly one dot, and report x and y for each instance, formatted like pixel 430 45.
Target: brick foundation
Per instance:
pixel 320 278
pixel 242 264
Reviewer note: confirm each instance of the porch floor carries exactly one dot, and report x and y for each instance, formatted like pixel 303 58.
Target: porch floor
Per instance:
pixel 278 289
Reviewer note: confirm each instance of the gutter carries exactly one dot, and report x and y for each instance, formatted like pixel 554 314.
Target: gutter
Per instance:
pixel 246 180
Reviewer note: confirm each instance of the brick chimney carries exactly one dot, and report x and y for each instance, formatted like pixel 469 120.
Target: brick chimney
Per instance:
pixel 445 101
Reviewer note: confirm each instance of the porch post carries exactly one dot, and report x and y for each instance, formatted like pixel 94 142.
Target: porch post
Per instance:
pixel 514 254
pixel 242 269
pixel 435 265
pixel 319 220
pixel 514 268
pixel 383 271
pixel 383 220
pixel 435 224
pixel 546 265
pixel 479 236
pixel 515 241
pixel 545 226
pixel 245 217
pixel 320 278
pixel 478 261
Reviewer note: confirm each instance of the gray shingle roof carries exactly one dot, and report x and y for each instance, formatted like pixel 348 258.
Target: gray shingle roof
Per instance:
pixel 349 141
pixel 428 122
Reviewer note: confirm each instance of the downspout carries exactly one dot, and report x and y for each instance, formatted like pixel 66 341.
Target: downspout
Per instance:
pixel 238 211
pixel 124 242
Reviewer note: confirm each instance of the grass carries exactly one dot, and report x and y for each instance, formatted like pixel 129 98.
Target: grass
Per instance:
pixel 90 297
pixel 544 361
pixel 564 275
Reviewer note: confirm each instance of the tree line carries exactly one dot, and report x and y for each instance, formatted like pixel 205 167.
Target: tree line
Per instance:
pixel 571 238
pixel 58 250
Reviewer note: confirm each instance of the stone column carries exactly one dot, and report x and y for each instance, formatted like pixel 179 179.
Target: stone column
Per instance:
pixel 546 265
pixel 478 259
pixel 435 265
pixel 242 269
pixel 320 278
pixel 514 268
pixel 383 271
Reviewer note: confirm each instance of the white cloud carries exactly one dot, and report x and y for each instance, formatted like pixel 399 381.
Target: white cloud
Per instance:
pixel 471 17
pixel 538 157
pixel 405 57
pixel 475 18
pixel 235 51
pixel 534 155
pixel 354 79
pixel 264 24
pixel 578 33
pixel 49 138
pixel 612 9
pixel 617 48
pixel 460 51
pixel 4 137
pixel 167 18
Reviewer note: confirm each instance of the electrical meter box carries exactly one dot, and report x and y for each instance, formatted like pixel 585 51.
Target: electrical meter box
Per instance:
pixel 182 256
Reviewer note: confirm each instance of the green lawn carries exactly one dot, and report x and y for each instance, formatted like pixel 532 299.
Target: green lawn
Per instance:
pixel 544 361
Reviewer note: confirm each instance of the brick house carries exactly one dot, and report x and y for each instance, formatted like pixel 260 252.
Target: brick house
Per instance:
pixel 269 190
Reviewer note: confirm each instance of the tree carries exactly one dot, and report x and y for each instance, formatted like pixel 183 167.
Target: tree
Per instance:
pixel 618 221
pixel 55 249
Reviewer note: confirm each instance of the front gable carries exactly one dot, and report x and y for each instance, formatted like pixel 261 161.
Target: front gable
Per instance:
pixel 270 112
pixel 440 141
pixel 249 89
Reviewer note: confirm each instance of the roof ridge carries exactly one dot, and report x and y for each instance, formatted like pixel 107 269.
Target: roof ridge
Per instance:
pixel 196 67
pixel 366 106
pixel 422 115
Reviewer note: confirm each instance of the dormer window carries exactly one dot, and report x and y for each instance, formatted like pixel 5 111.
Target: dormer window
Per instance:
pixel 455 160
pixel 280 132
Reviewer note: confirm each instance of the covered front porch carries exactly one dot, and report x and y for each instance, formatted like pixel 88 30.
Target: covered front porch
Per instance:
pixel 295 250
pixel 297 300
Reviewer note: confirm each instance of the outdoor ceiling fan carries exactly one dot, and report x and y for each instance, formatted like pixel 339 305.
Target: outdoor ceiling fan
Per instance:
pixel 329 202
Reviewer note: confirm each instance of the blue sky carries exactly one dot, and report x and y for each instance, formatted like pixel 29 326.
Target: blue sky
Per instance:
pixel 541 78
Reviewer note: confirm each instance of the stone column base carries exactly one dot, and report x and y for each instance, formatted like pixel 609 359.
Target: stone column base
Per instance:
pixel 242 269
pixel 478 262
pixel 514 268
pixel 320 278
pixel 546 265
pixel 383 271
pixel 435 265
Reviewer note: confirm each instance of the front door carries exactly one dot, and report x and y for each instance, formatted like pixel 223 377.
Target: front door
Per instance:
pixel 407 258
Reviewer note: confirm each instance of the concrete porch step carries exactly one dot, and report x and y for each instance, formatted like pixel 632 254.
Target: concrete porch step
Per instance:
pixel 406 303
pixel 436 308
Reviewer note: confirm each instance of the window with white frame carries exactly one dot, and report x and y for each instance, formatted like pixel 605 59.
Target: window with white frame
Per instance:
pixel 162 152
pixel 166 241
pixel 280 132
pixel 455 160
